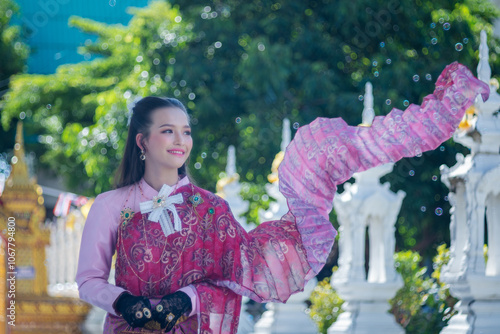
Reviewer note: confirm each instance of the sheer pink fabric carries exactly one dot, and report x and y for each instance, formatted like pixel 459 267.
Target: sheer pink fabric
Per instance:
pixel 328 152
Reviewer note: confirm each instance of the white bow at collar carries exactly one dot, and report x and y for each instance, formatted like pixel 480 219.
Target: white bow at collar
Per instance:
pixel 159 207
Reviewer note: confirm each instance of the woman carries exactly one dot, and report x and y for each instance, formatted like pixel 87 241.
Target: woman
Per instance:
pixel 182 259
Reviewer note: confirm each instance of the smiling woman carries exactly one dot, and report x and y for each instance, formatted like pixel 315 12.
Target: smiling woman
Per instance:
pixel 159 129
pixel 167 146
pixel 182 260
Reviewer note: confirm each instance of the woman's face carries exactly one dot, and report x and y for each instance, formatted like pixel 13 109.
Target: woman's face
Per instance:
pixel 169 143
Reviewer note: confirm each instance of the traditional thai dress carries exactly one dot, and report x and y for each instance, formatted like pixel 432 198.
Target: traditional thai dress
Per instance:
pixel 213 255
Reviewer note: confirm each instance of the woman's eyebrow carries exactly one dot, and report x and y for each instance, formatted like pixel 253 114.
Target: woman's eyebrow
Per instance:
pixel 185 126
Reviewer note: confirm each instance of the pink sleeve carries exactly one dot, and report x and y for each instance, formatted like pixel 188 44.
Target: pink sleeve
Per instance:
pixel 191 292
pixel 96 252
pixel 328 152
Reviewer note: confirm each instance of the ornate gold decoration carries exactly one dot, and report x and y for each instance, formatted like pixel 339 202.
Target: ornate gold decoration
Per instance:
pixel 36 312
pixel 224 182
pixel 126 215
pixel 22 199
pixel 273 177
pixel 468 119
pixel 158 201
pixel 195 199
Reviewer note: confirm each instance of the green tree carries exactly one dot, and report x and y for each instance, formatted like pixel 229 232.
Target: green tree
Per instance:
pixel 80 112
pixel 13 53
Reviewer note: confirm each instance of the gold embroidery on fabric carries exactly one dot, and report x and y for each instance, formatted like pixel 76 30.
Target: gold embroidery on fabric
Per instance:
pixel 195 200
pixel 148 251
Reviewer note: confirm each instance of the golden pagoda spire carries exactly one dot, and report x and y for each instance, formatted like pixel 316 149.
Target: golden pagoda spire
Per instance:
pixel 22 200
pixel 19 175
pixel 22 203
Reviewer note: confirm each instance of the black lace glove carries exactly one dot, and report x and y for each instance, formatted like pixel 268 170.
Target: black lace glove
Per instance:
pixel 171 308
pixel 135 310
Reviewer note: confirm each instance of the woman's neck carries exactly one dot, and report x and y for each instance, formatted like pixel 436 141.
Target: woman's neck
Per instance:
pixel 157 180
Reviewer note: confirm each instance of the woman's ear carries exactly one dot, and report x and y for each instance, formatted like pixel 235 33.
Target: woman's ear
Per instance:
pixel 138 140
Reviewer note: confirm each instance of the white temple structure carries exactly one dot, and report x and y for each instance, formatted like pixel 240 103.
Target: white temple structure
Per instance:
pixel 280 207
pixel 229 188
pixel 474 184
pixel 367 204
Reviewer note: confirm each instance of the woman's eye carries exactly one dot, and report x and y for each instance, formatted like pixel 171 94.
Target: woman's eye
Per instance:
pixel 187 133
pixel 167 131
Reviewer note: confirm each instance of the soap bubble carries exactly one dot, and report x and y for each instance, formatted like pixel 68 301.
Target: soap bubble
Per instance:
pixel 382 44
pixel 388 61
pixel 423 208
pixel 459 47
pixel 466 40
pixel 433 25
pixel 49 106
pixel 441 148
pixel 112 3
pixel 416 77
pixel 446 26
pixel 203 155
pixel 406 103
pixel 388 102
pixel 434 178
pixel 412 172
pixel 238 120
pixel 361 97
pixel 438 211
pixel 441 20
pixel 296 125
pixel 375 63
pixel 434 41
pixel 376 74
pixel 428 76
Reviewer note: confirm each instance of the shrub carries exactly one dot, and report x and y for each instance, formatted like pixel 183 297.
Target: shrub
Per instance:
pixel 325 305
pixel 422 305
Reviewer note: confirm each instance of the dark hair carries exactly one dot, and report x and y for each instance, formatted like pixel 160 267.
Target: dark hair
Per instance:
pixel 132 168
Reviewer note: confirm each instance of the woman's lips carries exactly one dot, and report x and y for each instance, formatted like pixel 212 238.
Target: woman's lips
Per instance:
pixel 178 153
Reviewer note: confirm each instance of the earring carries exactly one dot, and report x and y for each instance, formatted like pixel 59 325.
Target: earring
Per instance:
pixel 142 156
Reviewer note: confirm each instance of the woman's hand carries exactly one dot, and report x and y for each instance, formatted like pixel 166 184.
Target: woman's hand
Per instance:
pixel 135 310
pixel 171 308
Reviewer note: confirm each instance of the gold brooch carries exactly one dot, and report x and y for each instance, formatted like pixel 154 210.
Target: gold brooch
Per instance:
pixel 196 199
pixel 126 215
pixel 158 201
